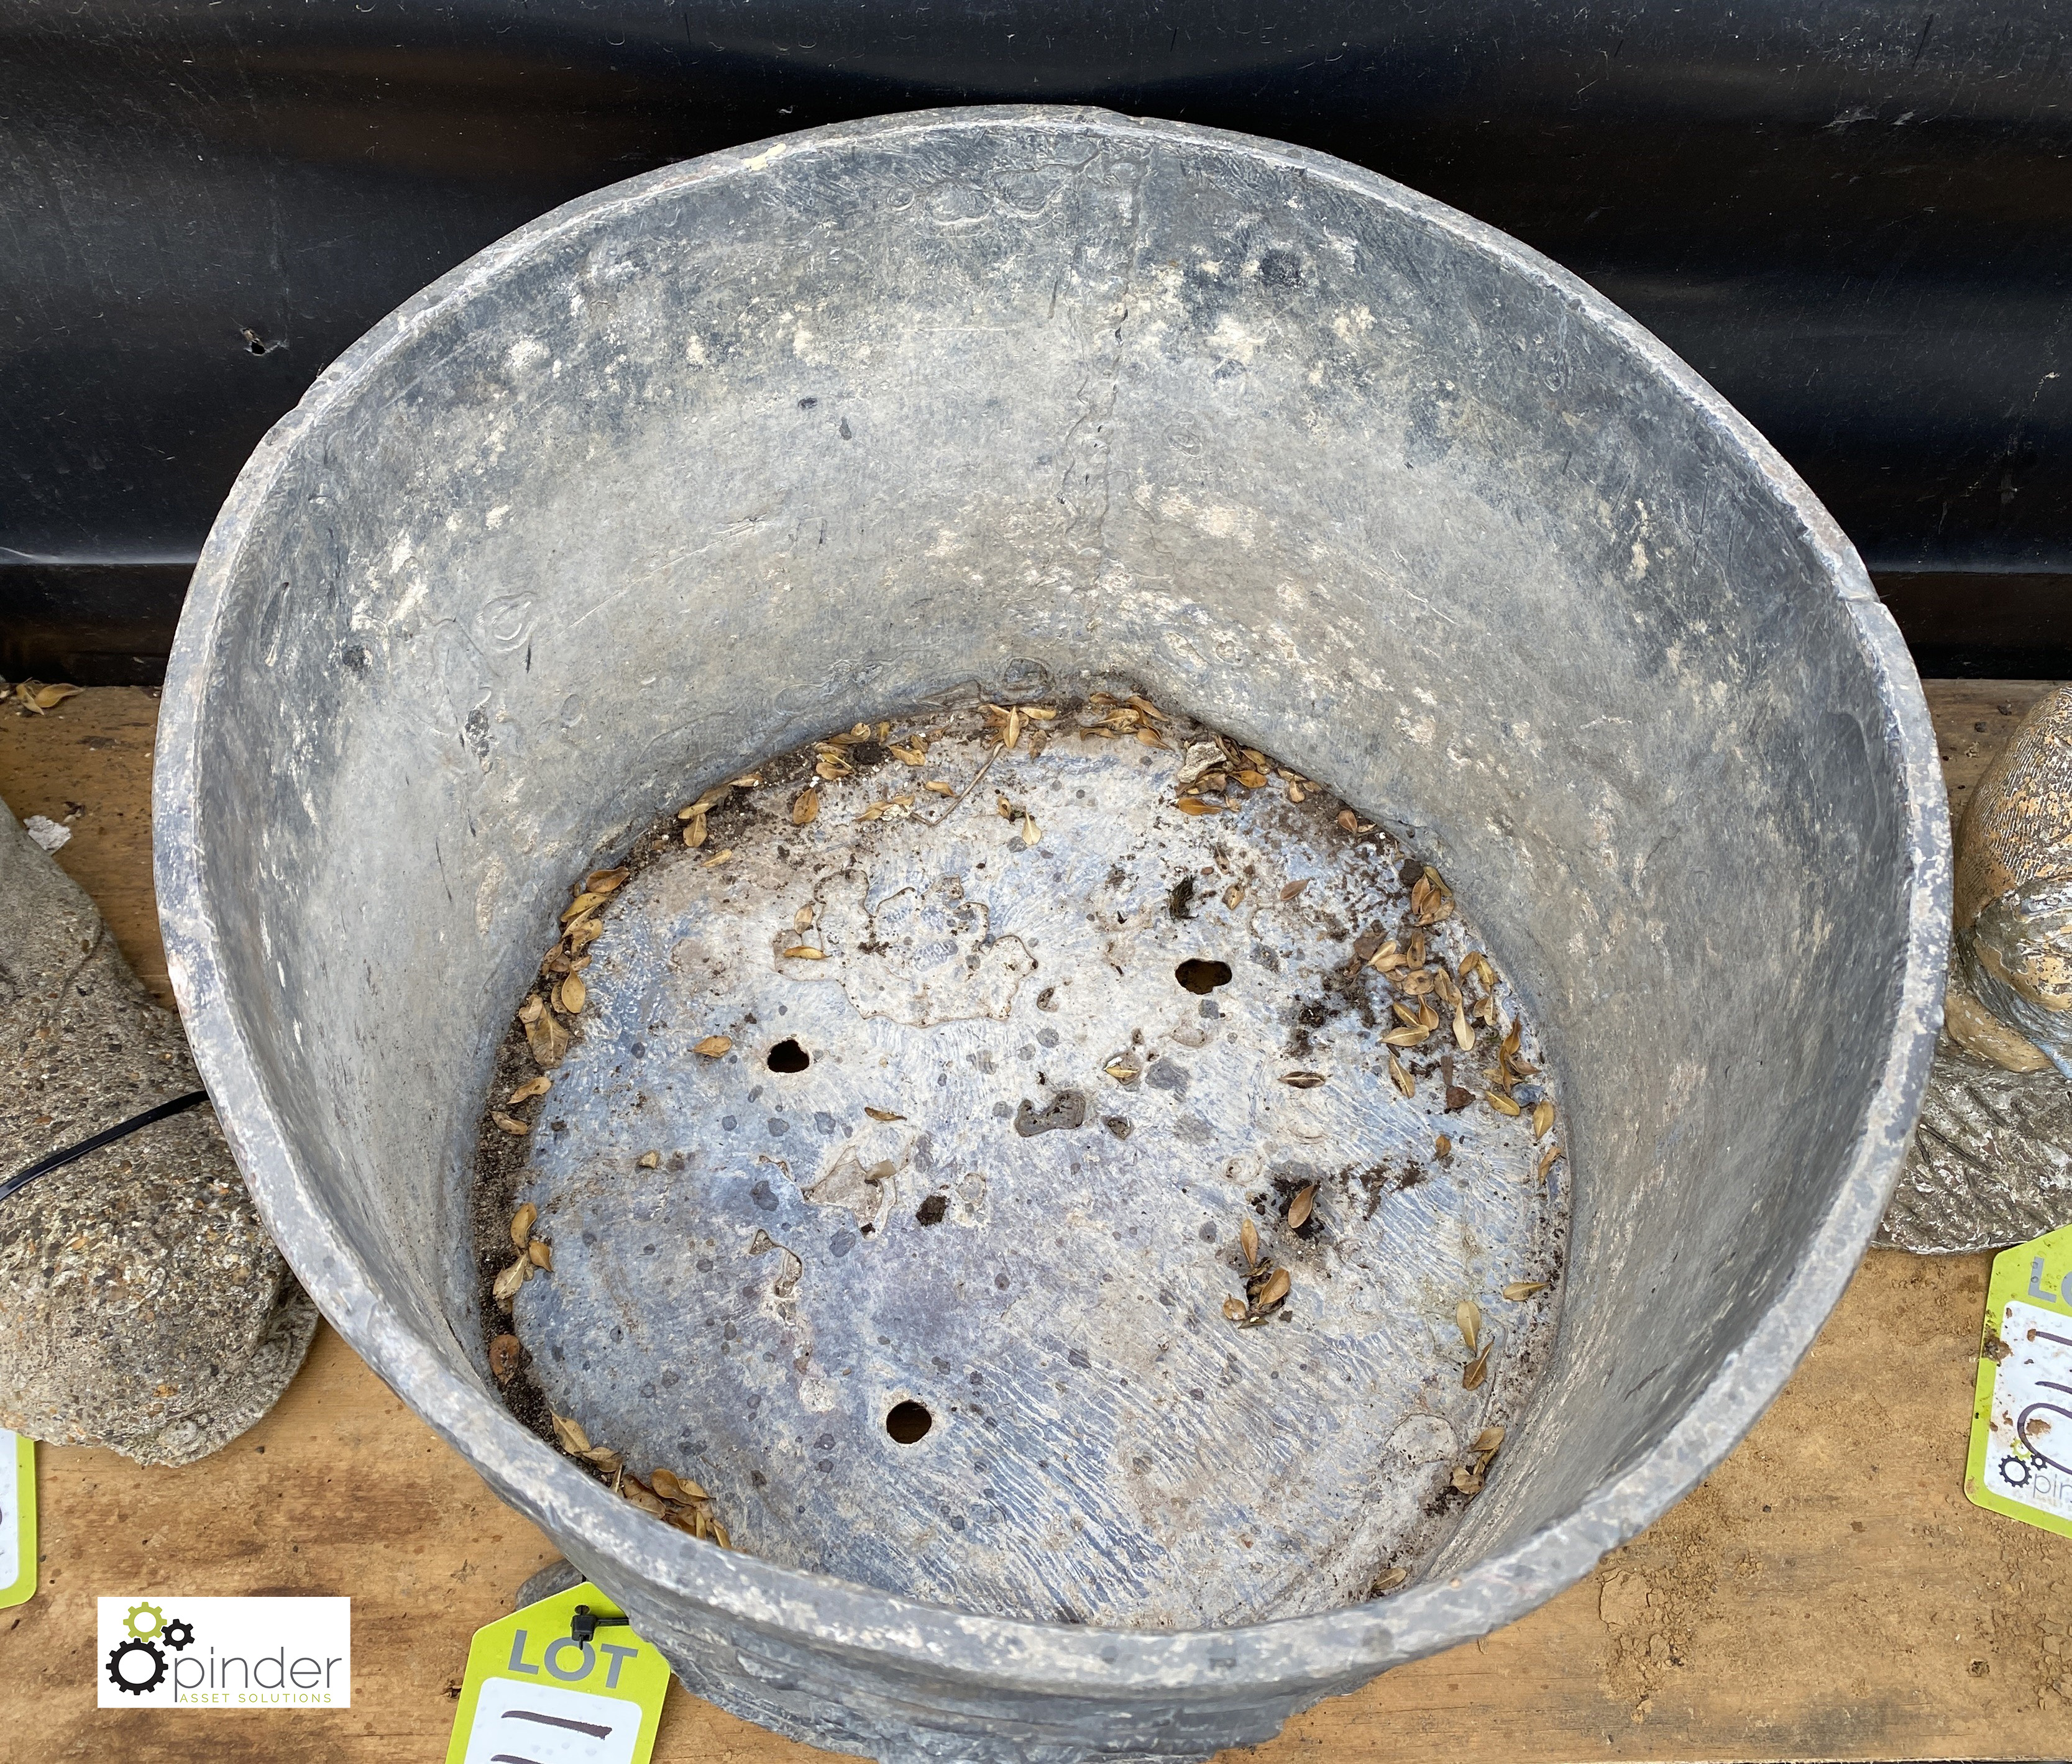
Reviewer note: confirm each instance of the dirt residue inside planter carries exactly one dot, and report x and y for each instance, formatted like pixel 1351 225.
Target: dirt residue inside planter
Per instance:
pixel 1044 1158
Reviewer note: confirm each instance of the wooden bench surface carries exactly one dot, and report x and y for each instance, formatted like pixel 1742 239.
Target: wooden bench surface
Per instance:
pixel 1829 1593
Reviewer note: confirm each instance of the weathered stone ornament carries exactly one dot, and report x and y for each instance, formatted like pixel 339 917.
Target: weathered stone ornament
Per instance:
pixel 1990 1163
pixel 143 1305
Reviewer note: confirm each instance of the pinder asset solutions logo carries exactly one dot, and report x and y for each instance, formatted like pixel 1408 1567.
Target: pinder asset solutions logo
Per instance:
pixel 226 1653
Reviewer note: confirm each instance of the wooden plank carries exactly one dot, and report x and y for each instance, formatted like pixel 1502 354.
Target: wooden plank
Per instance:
pixel 1827 1593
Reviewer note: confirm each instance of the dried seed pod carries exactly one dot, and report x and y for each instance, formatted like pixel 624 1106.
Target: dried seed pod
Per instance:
pixel 716 858
pixel 805 952
pixel 1300 1208
pixel 507 1353
pixel 1234 894
pixel 505 1287
pixel 1275 1290
pixel 940 787
pixel 1517 1291
pixel 648 1160
pixel 547 1039
pixel 541 1253
pixel 1543 1119
pixel 1302 1080
pixel 1468 1315
pixel 1390 1581
pixel 805 805
pixel 1294 888
pixel 532 1087
pixel 1442 1148
pixel 50 697
pixel 521 1225
pixel 713 1047
pixel 641 1495
pixel 1194 805
pixel 1122 1072
pixel 883 1114
pixel 515 1128
pixel 1247 1237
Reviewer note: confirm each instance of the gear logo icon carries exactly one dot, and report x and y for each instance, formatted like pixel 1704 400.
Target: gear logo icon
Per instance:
pixel 136 1666
pixel 2015 1471
pixel 138 1662
pixel 140 1629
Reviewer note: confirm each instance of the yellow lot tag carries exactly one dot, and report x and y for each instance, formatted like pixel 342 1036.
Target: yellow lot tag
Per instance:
pixel 17 1518
pixel 536 1692
pixel 2021 1429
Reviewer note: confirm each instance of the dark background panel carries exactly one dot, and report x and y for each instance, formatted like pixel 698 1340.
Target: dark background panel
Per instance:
pixel 1854 218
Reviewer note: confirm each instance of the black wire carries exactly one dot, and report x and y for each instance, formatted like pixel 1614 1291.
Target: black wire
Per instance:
pixel 58 1160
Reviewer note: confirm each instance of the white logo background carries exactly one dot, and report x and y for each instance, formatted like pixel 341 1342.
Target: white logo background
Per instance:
pixel 170 1652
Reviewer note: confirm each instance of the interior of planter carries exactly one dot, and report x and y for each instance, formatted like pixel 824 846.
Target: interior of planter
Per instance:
pixel 749 450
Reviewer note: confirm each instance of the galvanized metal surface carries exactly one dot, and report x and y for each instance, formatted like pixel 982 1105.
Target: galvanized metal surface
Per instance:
pixel 1037 1249
pixel 741 451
